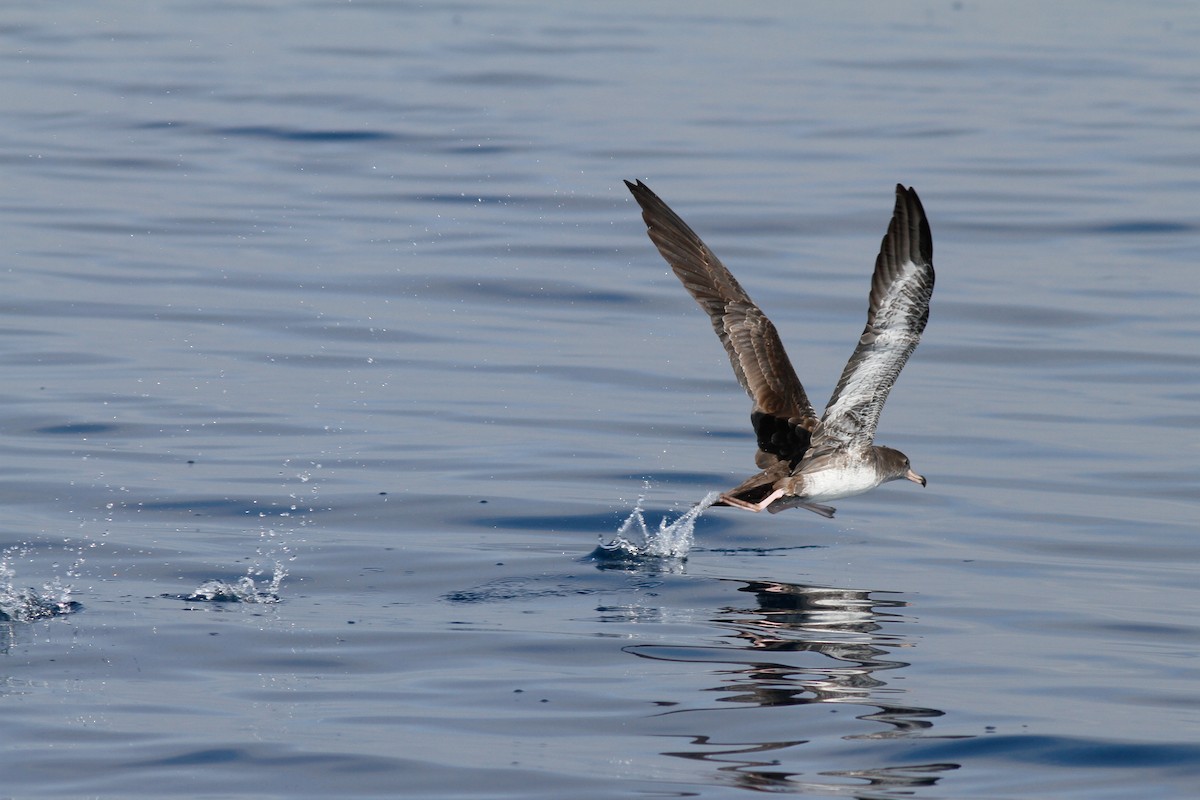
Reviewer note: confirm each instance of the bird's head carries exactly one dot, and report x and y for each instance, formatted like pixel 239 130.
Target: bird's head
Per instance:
pixel 895 466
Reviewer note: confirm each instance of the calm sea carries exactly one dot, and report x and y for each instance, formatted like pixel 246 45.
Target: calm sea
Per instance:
pixel 332 345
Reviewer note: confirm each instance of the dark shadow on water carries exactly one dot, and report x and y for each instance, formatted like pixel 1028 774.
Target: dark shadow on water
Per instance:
pixel 759 551
pixel 77 429
pixel 1072 752
pixel 583 523
pixel 226 507
pixel 607 556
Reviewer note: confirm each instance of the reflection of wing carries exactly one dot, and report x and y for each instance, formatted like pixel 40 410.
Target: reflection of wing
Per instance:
pixel 782 415
pixel 899 308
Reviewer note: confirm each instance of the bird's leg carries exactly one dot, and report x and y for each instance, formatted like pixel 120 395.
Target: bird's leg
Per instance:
pixel 730 500
pixel 771 498
pixel 766 501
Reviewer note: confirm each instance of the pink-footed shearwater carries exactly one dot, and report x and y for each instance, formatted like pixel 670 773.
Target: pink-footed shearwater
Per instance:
pixel 806 461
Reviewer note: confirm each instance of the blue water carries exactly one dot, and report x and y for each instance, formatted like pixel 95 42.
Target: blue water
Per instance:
pixel 333 346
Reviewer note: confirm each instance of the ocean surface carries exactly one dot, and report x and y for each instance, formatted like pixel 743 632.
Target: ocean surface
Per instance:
pixel 332 346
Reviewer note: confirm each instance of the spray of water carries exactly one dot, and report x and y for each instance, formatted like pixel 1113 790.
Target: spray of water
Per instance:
pixel 672 540
pixel 26 603
pixel 264 577
pixel 247 589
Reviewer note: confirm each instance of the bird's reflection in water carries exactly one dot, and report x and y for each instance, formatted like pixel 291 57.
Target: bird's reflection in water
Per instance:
pixel 800 646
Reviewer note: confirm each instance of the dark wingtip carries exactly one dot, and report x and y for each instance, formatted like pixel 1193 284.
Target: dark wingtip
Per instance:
pixel 639 189
pixel 907 199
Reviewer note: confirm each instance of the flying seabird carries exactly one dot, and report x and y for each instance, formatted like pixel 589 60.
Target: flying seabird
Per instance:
pixel 806 461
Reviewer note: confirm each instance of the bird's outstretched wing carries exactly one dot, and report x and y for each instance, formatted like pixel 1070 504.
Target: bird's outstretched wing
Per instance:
pixel 782 416
pixel 898 311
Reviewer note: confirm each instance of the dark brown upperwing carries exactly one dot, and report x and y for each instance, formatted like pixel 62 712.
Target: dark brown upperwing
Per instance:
pixel 782 415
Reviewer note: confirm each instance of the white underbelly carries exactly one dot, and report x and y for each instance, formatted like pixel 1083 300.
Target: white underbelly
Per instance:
pixel 828 484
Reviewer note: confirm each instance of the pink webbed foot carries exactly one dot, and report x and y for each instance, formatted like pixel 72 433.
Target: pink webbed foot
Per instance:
pixel 766 501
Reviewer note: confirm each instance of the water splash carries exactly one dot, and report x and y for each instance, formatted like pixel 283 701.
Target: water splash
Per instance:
pixel 260 585
pixel 244 590
pixel 635 540
pixel 264 577
pixel 28 604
